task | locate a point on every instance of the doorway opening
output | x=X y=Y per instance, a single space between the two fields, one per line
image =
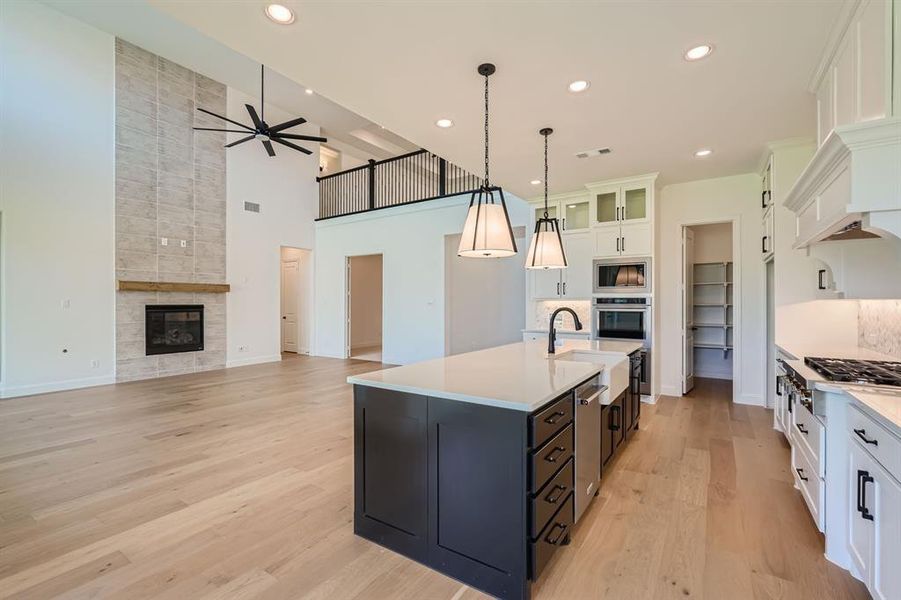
x=295 y=300
x=364 y=307
x=708 y=303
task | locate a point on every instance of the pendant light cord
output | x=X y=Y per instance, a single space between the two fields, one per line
x=487 y=184
x=545 y=176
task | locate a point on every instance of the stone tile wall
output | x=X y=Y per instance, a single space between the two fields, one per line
x=170 y=183
x=879 y=326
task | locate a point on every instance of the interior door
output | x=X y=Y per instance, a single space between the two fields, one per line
x=290 y=283
x=688 y=334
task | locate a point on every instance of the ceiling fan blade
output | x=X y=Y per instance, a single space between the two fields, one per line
x=269 y=148
x=203 y=110
x=254 y=117
x=290 y=145
x=287 y=124
x=294 y=136
x=241 y=141
x=225 y=130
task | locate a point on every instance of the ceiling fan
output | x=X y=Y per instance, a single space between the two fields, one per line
x=261 y=130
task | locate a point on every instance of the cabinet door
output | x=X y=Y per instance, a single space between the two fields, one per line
x=551 y=210
x=635 y=203
x=607 y=207
x=577 y=275
x=860 y=529
x=886 y=504
x=546 y=283
x=767 y=242
x=636 y=239
x=606 y=242
x=576 y=214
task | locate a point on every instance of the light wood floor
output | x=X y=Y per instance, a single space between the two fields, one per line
x=238 y=484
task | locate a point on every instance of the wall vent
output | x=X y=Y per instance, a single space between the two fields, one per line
x=587 y=153
x=253 y=207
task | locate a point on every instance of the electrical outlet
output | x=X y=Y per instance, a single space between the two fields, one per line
x=184 y=243
x=95 y=364
x=66 y=303
x=164 y=241
x=242 y=348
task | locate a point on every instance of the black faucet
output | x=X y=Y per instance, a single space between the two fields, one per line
x=552 y=333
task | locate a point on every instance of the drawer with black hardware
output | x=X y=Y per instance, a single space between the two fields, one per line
x=554 y=535
x=551 y=419
x=809 y=435
x=810 y=484
x=875 y=439
x=544 y=503
x=547 y=460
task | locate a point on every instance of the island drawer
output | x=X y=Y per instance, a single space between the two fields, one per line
x=548 y=459
x=876 y=440
x=549 y=420
x=554 y=535
x=545 y=503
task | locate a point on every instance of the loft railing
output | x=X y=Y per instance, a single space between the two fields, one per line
x=405 y=179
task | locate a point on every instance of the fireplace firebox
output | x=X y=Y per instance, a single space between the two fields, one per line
x=171 y=328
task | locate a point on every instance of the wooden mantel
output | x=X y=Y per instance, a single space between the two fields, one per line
x=172 y=286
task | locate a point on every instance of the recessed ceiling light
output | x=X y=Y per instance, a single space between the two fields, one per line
x=535 y=182
x=698 y=52
x=309 y=92
x=579 y=86
x=280 y=13
x=703 y=152
x=444 y=123
x=571 y=206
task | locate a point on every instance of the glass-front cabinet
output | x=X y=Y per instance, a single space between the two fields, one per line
x=621 y=204
x=573 y=210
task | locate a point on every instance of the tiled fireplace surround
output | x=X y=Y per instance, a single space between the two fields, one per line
x=170 y=183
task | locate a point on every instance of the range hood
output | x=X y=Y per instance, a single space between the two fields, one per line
x=852 y=187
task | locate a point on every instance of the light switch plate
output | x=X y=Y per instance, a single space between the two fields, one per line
x=164 y=241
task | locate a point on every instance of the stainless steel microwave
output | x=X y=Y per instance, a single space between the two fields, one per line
x=632 y=275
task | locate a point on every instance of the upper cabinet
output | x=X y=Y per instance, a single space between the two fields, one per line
x=854 y=81
x=573 y=210
x=620 y=203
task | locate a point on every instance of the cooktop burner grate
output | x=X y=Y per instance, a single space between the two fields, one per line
x=873 y=372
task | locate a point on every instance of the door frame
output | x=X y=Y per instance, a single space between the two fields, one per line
x=305 y=279
x=347 y=298
x=687 y=292
x=735 y=220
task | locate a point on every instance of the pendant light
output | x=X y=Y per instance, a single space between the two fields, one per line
x=487 y=232
x=546 y=247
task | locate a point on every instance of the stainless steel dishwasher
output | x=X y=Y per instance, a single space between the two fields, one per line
x=588 y=442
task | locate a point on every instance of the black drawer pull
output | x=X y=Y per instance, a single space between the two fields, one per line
x=560 y=535
x=863 y=478
x=800 y=474
x=801 y=428
x=615 y=409
x=549 y=499
x=550 y=456
x=862 y=434
x=554 y=417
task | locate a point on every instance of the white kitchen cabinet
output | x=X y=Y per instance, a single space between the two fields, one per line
x=572 y=210
x=768 y=242
x=636 y=239
x=573 y=282
x=622 y=203
x=606 y=241
x=874 y=505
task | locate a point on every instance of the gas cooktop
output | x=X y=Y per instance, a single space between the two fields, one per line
x=871 y=372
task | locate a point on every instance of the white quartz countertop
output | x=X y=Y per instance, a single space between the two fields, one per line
x=559 y=330
x=885 y=403
x=799 y=350
x=519 y=376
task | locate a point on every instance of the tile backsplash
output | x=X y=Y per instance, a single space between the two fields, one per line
x=879 y=326
x=541 y=313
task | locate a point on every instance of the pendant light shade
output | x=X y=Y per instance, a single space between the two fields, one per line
x=546 y=247
x=487 y=232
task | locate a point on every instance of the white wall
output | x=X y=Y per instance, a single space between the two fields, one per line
x=285 y=188
x=477 y=295
x=713 y=243
x=711 y=200
x=57 y=198
x=365 y=300
x=411 y=241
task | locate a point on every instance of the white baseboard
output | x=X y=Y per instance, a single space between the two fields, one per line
x=55 y=386
x=714 y=374
x=750 y=399
x=253 y=360
x=670 y=390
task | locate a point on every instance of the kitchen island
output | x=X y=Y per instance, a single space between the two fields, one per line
x=466 y=463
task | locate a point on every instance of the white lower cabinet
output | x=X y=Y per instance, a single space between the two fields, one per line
x=874 y=523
